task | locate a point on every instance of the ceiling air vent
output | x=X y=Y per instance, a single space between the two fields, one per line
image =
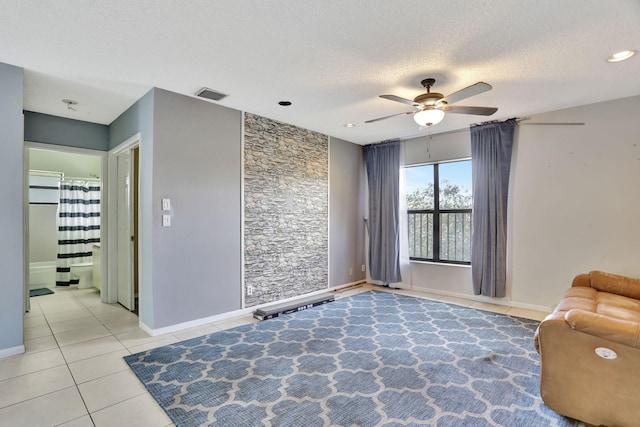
x=210 y=94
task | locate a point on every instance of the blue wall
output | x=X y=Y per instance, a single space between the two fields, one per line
x=137 y=118
x=48 y=129
x=11 y=220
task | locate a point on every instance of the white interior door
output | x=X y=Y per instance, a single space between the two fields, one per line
x=125 y=230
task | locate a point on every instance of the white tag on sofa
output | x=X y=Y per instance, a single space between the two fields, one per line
x=606 y=353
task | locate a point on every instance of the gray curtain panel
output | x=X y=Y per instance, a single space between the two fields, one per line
x=491 y=146
x=383 y=176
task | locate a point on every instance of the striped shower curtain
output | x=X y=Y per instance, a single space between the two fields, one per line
x=78 y=226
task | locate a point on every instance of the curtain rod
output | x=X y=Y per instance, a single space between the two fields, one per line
x=75 y=178
x=518 y=120
x=45 y=173
x=61 y=175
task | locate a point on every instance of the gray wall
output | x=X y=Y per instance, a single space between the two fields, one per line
x=11 y=220
x=191 y=152
x=139 y=119
x=48 y=129
x=196 y=164
x=346 y=212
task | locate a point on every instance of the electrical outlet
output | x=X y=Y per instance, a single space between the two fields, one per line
x=250 y=290
x=351 y=272
x=363 y=267
x=166 y=220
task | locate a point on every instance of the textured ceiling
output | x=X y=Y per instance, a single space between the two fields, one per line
x=330 y=58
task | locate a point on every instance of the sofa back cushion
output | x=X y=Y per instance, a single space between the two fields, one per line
x=615 y=284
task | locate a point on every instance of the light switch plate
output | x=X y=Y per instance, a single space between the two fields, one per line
x=166 y=204
x=166 y=220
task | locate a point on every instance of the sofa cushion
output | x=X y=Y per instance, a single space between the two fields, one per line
x=618 y=307
x=605 y=303
x=579 y=297
x=611 y=329
x=615 y=284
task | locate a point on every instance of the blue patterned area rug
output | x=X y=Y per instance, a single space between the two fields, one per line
x=374 y=359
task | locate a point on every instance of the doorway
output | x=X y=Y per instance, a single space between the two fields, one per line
x=48 y=168
x=124 y=164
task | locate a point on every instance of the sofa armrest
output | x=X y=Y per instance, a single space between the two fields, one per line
x=615 y=330
x=615 y=284
x=555 y=317
x=581 y=280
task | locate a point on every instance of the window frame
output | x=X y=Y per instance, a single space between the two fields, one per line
x=436 y=212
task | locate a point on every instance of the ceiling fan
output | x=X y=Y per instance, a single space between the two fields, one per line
x=431 y=106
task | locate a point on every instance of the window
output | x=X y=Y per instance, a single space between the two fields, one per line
x=439 y=203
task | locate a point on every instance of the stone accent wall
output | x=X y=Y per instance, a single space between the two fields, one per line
x=286 y=210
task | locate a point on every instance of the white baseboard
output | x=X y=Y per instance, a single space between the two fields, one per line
x=340 y=287
x=481 y=298
x=11 y=351
x=247 y=310
x=241 y=312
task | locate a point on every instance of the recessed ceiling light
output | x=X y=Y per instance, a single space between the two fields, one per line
x=621 y=56
x=284 y=103
x=349 y=125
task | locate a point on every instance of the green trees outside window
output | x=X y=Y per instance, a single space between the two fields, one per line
x=439 y=203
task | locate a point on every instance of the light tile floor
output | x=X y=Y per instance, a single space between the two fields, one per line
x=73 y=374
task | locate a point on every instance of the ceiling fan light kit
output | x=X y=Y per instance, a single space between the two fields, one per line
x=431 y=106
x=621 y=56
x=428 y=117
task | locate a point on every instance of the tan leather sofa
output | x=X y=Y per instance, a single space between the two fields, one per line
x=599 y=311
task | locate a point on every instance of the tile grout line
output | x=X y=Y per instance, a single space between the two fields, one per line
x=39 y=396
x=77 y=385
x=84 y=403
x=65 y=361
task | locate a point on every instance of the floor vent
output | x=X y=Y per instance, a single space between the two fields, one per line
x=291 y=307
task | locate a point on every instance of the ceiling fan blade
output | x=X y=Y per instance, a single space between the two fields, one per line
x=388 y=117
x=467 y=92
x=459 y=109
x=399 y=99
